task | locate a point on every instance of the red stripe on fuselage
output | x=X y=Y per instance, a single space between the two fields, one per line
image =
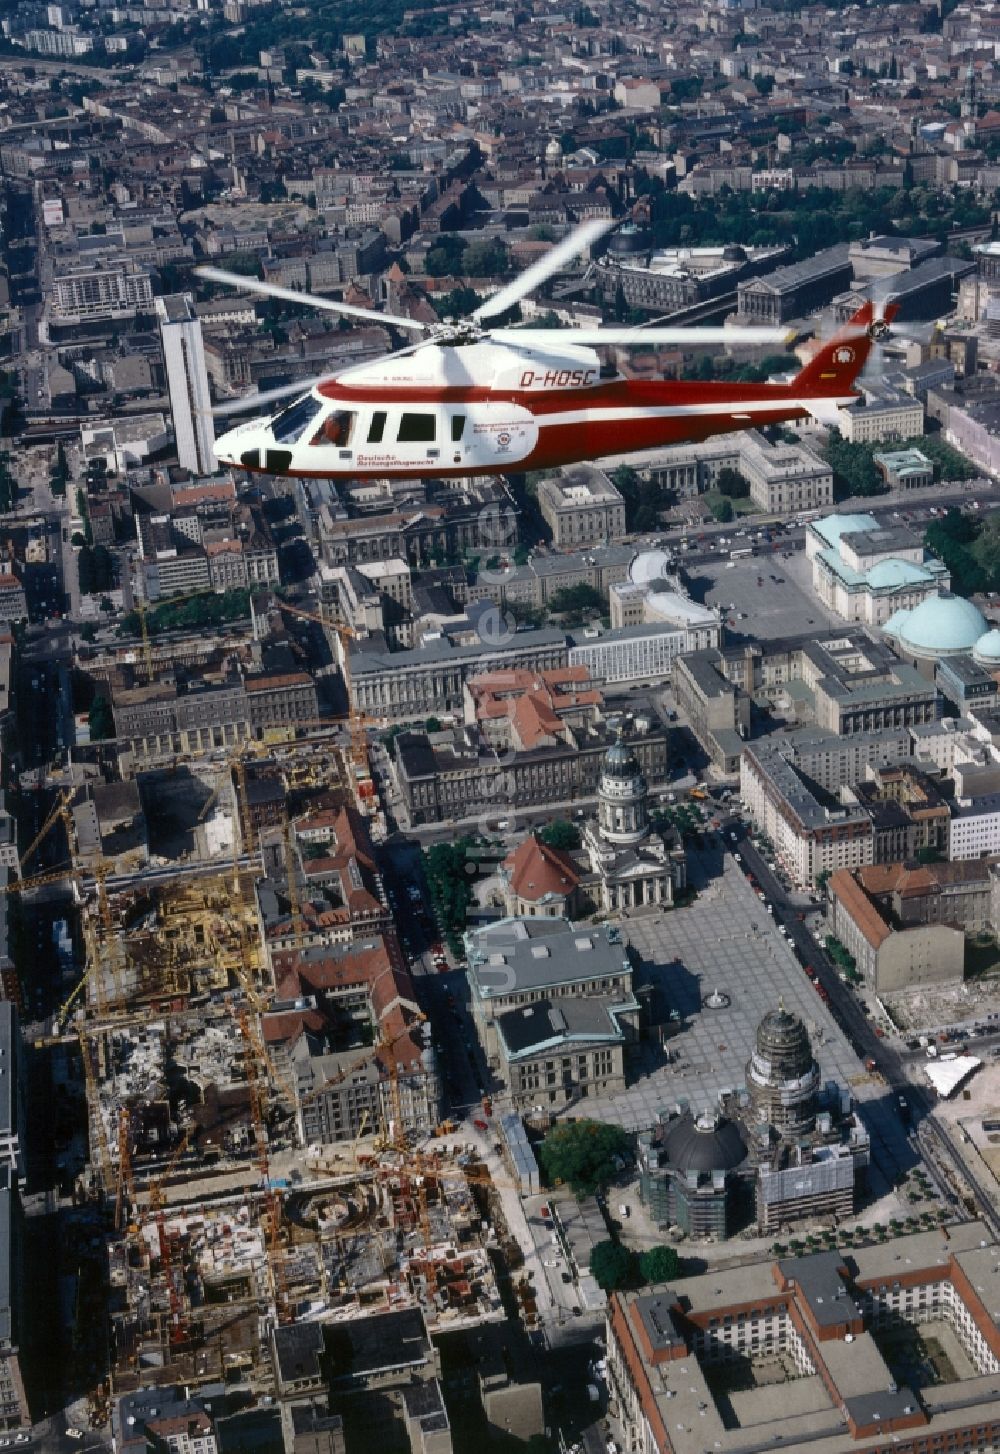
x=624 y=394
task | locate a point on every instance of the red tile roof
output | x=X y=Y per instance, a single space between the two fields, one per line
x=537 y=871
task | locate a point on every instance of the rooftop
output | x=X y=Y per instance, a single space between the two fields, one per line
x=517 y=954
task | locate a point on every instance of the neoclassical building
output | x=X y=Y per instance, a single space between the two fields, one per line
x=632 y=863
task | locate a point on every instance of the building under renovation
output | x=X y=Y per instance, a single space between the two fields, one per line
x=779 y=1150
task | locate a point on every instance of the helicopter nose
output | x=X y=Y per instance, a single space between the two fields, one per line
x=242 y=447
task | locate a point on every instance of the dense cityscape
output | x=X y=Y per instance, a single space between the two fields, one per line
x=500 y=727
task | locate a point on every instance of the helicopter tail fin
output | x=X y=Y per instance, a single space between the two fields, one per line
x=833 y=372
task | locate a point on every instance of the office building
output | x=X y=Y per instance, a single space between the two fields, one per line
x=717 y=709
x=14 y=1413
x=83 y=293
x=893 y=416
x=409 y=686
x=581 y=507
x=187 y=383
x=12 y=1092
x=452 y=774
x=793 y=291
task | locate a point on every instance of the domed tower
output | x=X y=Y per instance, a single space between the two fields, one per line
x=622 y=813
x=782 y=1075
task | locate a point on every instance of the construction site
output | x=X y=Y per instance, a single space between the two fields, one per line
x=197 y=1286
x=258 y=1077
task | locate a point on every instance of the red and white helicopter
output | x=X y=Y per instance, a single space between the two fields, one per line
x=469 y=399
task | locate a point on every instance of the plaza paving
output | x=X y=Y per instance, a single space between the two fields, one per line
x=724 y=941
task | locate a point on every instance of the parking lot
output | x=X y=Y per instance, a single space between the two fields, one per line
x=764 y=597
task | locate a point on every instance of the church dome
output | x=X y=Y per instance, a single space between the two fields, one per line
x=782 y=1075
x=705 y=1143
x=620 y=761
x=783 y=1045
x=987 y=649
x=940 y=626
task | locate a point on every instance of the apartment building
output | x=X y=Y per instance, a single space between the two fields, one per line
x=890 y=958
x=810 y=837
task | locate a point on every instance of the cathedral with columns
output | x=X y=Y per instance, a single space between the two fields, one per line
x=632 y=863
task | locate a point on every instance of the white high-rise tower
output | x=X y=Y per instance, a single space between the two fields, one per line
x=187 y=383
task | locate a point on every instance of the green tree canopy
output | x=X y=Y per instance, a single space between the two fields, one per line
x=723 y=510
x=730 y=482
x=102 y=722
x=447 y=870
x=561 y=834
x=659 y=1264
x=611 y=1265
x=583 y=1154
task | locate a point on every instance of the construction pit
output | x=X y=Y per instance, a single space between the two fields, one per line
x=196 y=1287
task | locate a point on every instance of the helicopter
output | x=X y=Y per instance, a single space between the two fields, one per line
x=470 y=399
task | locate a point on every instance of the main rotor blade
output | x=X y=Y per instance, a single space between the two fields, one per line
x=255 y=401
x=308 y=300
x=641 y=337
x=571 y=246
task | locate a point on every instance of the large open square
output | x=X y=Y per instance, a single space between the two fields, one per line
x=726 y=942
x=774 y=595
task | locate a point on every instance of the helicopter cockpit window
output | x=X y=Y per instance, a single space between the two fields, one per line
x=290 y=425
x=457 y=427
x=336 y=429
x=417 y=429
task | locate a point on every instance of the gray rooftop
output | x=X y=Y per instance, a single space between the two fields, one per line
x=364 y=663
x=514 y=955
x=530 y=1029
x=787 y=279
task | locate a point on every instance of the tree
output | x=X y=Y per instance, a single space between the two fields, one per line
x=730 y=482
x=929 y=854
x=580 y=600
x=723 y=510
x=610 y=1265
x=659 y=1264
x=102 y=722
x=447 y=870
x=88 y=631
x=585 y=1154
x=459 y=303
x=433 y=724
x=561 y=834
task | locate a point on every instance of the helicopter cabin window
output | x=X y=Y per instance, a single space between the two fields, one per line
x=336 y=429
x=376 y=428
x=417 y=429
x=289 y=426
x=457 y=427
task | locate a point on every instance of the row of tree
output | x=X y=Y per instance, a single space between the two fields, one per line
x=449 y=869
x=210 y=608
